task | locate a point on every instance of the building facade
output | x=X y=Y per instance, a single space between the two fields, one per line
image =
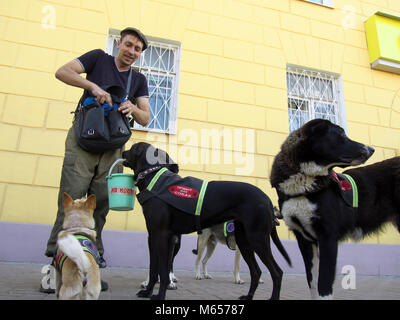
x=228 y=80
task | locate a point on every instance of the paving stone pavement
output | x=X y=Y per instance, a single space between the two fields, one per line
x=21 y=281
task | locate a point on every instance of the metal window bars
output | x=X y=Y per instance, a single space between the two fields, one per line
x=160 y=64
x=311 y=94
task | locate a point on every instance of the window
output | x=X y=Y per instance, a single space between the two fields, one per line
x=327 y=3
x=160 y=64
x=314 y=94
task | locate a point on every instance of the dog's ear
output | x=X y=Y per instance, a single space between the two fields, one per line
x=173 y=168
x=171 y=165
x=155 y=156
x=90 y=202
x=318 y=126
x=67 y=200
x=164 y=158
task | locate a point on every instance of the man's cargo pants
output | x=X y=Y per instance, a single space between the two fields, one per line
x=84 y=173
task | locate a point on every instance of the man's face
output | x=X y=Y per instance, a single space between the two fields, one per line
x=130 y=49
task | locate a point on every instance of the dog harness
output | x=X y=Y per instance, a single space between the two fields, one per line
x=229 y=233
x=185 y=194
x=347 y=187
x=344 y=183
x=87 y=245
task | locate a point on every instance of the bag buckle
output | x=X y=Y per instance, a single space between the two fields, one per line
x=90 y=132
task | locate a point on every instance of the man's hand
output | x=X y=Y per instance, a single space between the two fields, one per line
x=140 y=111
x=101 y=95
x=127 y=107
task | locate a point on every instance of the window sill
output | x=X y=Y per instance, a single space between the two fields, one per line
x=330 y=6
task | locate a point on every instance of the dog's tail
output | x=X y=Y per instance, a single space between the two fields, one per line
x=278 y=244
x=196 y=251
x=73 y=249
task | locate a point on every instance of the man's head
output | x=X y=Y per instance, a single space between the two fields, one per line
x=130 y=46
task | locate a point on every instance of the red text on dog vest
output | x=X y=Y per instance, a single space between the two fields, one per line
x=183 y=192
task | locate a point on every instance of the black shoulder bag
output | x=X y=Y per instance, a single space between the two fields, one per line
x=97 y=132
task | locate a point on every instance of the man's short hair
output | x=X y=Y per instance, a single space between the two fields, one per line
x=137 y=33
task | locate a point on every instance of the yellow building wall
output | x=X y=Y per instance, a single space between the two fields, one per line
x=232 y=79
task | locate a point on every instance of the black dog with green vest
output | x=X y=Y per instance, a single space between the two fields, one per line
x=174 y=206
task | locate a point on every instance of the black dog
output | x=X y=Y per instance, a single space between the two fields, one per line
x=224 y=200
x=176 y=243
x=312 y=202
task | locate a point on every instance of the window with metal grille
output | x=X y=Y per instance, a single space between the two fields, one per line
x=327 y=3
x=160 y=64
x=314 y=94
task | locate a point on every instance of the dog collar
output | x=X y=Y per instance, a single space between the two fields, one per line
x=144 y=173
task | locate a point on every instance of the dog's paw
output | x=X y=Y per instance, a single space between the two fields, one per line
x=246 y=297
x=199 y=277
x=239 y=281
x=144 y=294
x=172 y=286
x=207 y=276
x=173 y=278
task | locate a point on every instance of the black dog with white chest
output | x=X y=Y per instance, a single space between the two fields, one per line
x=219 y=201
x=312 y=196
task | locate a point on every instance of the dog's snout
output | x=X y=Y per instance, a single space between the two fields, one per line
x=368 y=151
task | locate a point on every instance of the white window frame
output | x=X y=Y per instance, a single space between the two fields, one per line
x=326 y=3
x=156 y=72
x=309 y=99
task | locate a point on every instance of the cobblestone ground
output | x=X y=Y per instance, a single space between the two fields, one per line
x=21 y=281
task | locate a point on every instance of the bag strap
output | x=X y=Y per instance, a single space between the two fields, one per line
x=128 y=86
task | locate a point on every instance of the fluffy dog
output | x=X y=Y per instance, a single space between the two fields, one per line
x=77 y=271
x=312 y=200
x=220 y=201
x=209 y=239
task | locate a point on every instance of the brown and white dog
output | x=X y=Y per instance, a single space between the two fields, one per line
x=209 y=239
x=77 y=271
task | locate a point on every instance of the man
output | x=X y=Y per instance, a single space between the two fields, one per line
x=84 y=173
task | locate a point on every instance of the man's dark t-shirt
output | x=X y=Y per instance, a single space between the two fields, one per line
x=101 y=69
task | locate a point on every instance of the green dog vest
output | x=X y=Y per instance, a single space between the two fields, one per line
x=347 y=188
x=86 y=244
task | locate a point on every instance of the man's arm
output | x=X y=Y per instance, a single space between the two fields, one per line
x=140 y=111
x=70 y=74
